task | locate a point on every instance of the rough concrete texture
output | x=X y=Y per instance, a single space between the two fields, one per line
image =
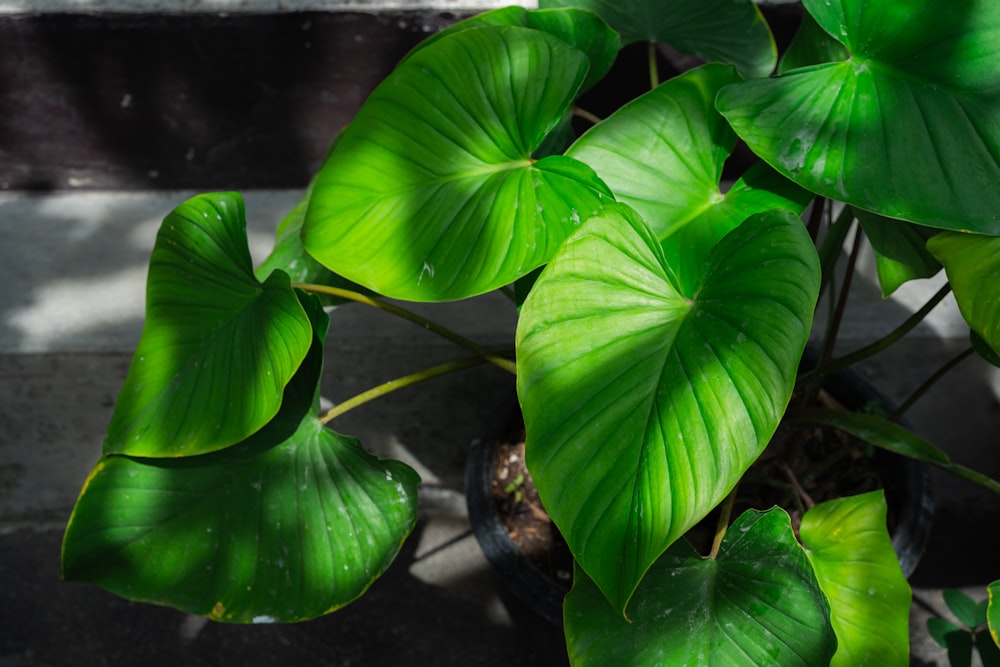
x=70 y=313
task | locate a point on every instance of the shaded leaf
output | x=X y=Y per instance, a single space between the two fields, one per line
x=970 y=613
x=811 y=45
x=848 y=543
x=940 y=628
x=874 y=429
x=643 y=404
x=292 y=523
x=217 y=347
x=900 y=249
x=914 y=109
x=757 y=603
x=714 y=30
x=291 y=257
x=983 y=350
x=432 y=192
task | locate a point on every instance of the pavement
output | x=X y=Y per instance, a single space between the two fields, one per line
x=71 y=309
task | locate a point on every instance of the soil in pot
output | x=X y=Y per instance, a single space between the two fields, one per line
x=802 y=466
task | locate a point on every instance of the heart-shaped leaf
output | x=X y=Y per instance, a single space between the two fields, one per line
x=582 y=29
x=218 y=346
x=292 y=523
x=432 y=192
x=972 y=263
x=913 y=110
x=756 y=603
x=900 y=249
x=848 y=543
x=643 y=404
x=663 y=153
x=714 y=30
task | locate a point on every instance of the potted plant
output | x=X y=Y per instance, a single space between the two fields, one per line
x=656 y=351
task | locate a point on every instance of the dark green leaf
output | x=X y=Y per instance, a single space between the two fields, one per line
x=959 y=645
x=940 y=628
x=875 y=429
x=906 y=127
x=289 y=256
x=900 y=249
x=217 y=348
x=982 y=349
x=968 y=612
x=811 y=45
x=724 y=31
x=292 y=523
x=757 y=603
x=989 y=652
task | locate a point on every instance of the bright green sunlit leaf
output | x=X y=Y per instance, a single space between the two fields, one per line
x=432 y=192
x=644 y=404
x=848 y=543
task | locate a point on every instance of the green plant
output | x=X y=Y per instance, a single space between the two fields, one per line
x=974 y=631
x=656 y=353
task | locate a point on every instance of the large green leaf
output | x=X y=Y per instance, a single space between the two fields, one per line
x=847 y=541
x=908 y=127
x=289 y=256
x=756 y=603
x=583 y=29
x=972 y=263
x=663 y=154
x=292 y=523
x=218 y=346
x=725 y=31
x=644 y=404
x=432 y=192
x=900 y=249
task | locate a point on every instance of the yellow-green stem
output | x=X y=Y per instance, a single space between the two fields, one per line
x=398 y=383
x=422 y=322
x=725 y=512
x=654 y=68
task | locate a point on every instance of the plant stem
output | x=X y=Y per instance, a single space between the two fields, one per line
x=398 y=383
x=929 y=382
x=725 y=512
x=654 y=68
x=495 y=359
x=816 y=217
x=586 y=115
x=882 y=343
x=833 y=327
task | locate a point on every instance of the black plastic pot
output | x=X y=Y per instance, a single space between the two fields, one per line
x=907 y=486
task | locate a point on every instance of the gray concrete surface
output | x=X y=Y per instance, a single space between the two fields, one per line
x=71 y=308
